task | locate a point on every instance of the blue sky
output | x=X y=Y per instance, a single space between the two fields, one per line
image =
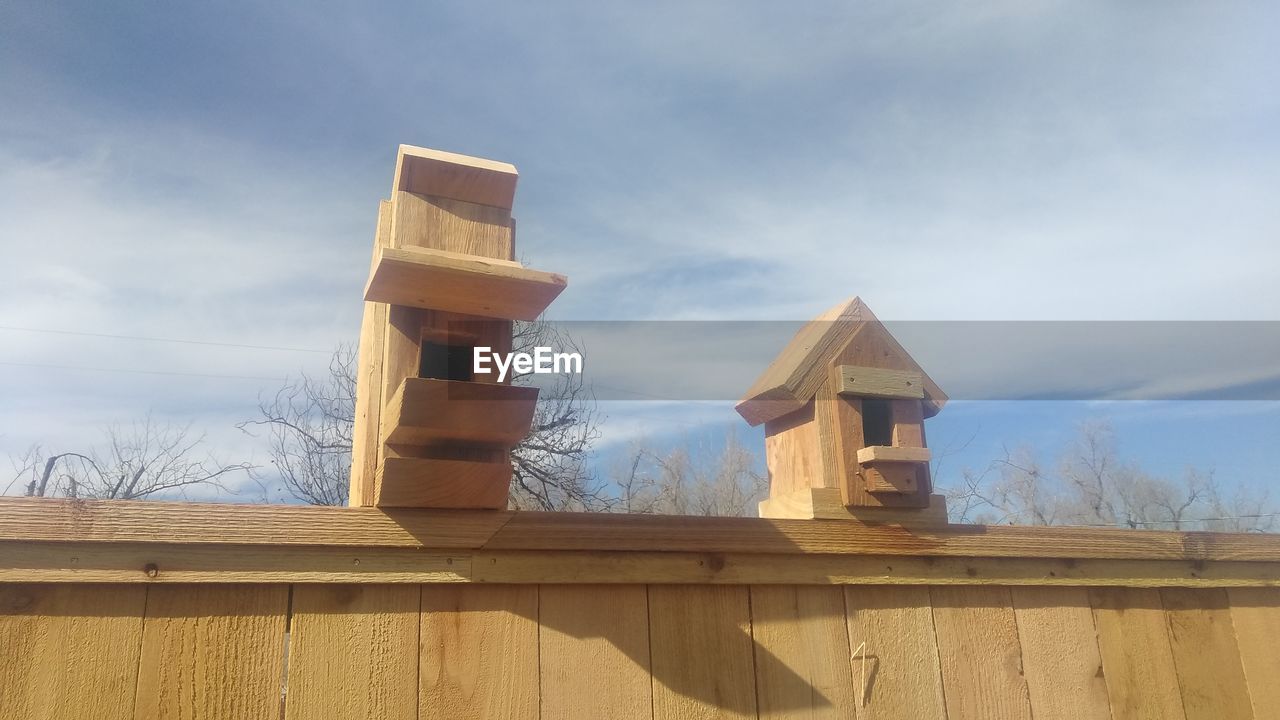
x=211 y=172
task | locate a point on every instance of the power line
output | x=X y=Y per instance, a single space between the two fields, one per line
x=163 y=340
x=139 y=372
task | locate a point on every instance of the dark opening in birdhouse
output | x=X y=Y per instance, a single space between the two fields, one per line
x=877 y=422
x=446 y=362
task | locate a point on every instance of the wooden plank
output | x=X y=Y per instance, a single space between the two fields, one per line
x=1137 y=661
x=365 y=434
x=701 y=647
x=169 y=563
x=882 y=453
x=164 y=563
x=353 y=652
x=1205 y=654
x=33 y=519
x=466 y=230
x=826 y=504
x=212 y=651
x=908 y=423
x=879 y=382
x=979 y=652
x=1255 y=615
x=70 y=651
x=801 y=652
x=1060 y=653
x=426 y=410
x=594 y=651
x=894 y=653
x=451 y=175
x=479 y=652
x=793 y=453
x=42 y=519
x=422 y=278
x=443 y=483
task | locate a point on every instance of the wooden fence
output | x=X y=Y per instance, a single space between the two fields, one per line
x=154 y=610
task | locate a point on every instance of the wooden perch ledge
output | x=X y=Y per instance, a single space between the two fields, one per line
x=100 y=541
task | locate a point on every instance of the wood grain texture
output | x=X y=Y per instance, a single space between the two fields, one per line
x=793 y=453
x=594 y=651
x=444 y=483
x=703 y=664
x=1205 y=653
x=69 y=651
x=1060 y=654
x=353 y=652
x=212 y=651
x=479 y=653
x=878 y=382
x=1255 y=615
x=427 y=410
x=1133 y=639
x=801 y=653
x=421 y=278
x=437 y=223
x=451 y=175
x=368 y=406
x=40 y=519
x=900 y=656
x=826 y=504
x=980 y=654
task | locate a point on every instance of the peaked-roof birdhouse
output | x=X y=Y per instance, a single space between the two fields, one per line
x=843 y=407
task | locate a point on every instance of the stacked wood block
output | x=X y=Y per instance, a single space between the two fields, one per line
x=444 y=281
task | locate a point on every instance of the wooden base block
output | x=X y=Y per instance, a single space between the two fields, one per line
x=426 y=410
x=439 y=280
x=890 y=477
x=428 y=482
x=824 y=504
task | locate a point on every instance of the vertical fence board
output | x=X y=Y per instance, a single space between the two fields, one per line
x=212 y=651
x=70 y=651
x=980 y=654
x=1205 y=654
x=802 y=652
x=703 y=665
x=1060 y=653
x=595 y=652
x=1255 y=614
x=479 y=652
x=900 y=655
x=353 y=653
x=1137 y=660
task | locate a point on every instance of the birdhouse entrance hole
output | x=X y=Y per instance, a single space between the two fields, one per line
x=877 y=422
x=446 y=362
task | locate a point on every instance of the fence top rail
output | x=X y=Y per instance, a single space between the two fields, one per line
x=182 y=523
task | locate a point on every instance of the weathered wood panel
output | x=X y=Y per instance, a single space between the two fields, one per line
x=353 y=653
x=802 y=652
x=595 y=652
x=69 y=651
x=212 y=651
x=896 y=673
x=703 y=666
x=980 y=654
x=1255 y=615
x=1205 y=653
x=479 y=652
x=1060 y=657
x=1133 y=638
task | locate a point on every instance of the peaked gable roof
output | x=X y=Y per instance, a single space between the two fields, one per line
x=794 y=377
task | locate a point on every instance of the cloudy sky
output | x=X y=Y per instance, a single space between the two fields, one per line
x=211 y=173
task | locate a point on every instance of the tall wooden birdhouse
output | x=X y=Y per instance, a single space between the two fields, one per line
x=429 y=432
x=843 y=408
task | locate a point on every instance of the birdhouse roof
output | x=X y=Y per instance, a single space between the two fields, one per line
x=794 y=377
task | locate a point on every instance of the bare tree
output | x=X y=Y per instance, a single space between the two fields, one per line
x=1093 y=486
x=690 y=481
x=137 y=461
x=310 y=422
